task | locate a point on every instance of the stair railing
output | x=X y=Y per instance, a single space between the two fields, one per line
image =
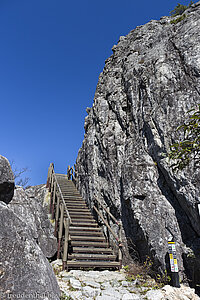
x=117 y=238
x=57 y=209
x=72 y=175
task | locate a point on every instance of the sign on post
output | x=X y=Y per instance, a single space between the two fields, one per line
x=173 y=264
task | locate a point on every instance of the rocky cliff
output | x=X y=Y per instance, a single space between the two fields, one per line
x=144 y=92
x=26 y=240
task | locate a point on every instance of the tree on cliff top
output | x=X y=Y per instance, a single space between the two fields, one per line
x=19 y=177
x=187 y=148
x=179 y=9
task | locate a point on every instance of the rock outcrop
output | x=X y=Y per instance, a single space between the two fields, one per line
x=26 y=240
x=6 y=180
x=144 y=92
x=27 y=205
x=25 y=272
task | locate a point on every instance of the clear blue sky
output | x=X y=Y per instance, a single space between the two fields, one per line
x=51 y=54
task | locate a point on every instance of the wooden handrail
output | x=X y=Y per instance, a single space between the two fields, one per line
x=105 y=208
x=108 y=226
x=61 y=222
x=52 y=177
x=64 y=223
x=61 y=195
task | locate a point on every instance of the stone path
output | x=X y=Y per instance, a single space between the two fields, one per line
x=112 y=285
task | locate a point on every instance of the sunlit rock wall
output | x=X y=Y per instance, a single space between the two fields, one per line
x=144 y=92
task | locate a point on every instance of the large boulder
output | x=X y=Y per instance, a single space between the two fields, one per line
x=144 y=92
x=28 y=206
x=24 y=270
x=6 y=180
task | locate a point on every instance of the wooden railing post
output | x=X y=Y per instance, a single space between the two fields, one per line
x=54 y=199
x=68 y=173
x=51 y=192
x=57 y=214
x=76 y=178
x=65 y=251
x=108 y=220
x=60 y=230
x=48 y=177
x=117 y=239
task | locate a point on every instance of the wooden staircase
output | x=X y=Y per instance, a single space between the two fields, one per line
x=86 y=244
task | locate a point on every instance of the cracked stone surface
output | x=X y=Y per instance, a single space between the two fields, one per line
x=28 y=206
x=113 y=285
x=26 y=239
x=24 y=270
x=144 y=92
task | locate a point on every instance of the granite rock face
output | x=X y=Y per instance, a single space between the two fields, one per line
x=27 y=205
x=26 y=239
x=144 y=92
x=25 y=272
x=6 y=180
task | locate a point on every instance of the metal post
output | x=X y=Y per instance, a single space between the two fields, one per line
x=173 y=264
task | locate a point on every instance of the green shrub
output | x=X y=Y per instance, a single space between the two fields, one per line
x=178 y=10
x=179 y=19
x=187 y=148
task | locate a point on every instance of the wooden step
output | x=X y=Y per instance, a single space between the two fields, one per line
x=81 y=216
x=70 y=192
x=84 y=224
x=80 y=219
x=70 y=197
x=79 y=210
x=92 y=250
x=69 y=185
x=83 y=220
x=79 y=256
x=92 y=264
x=88 y=244
x=86 y=233
x=75 y=203
x=79 y=206
x=88 y=238
x=87 y=229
